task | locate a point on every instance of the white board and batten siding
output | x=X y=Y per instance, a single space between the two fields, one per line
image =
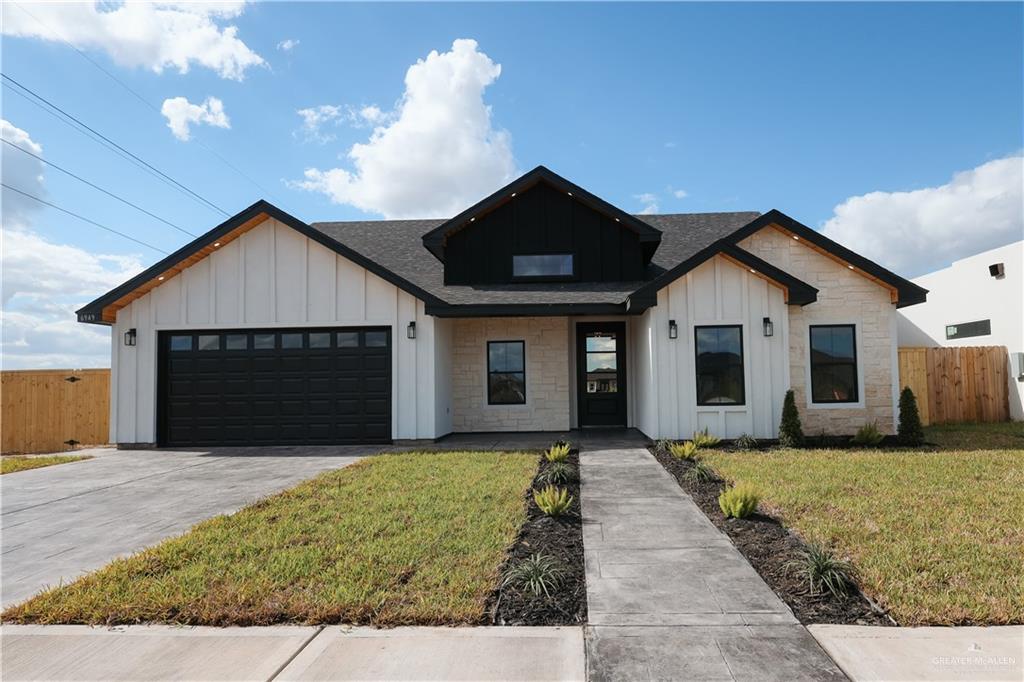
x=273 y=276
x=716 y=293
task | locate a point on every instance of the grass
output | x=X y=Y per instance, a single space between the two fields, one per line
x=936 y=537
x=1001 y=436
x=9 y=464
x=411 y=538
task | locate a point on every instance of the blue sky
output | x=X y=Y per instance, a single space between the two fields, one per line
x=686 y=107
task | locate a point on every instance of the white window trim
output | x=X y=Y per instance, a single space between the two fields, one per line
x=860 y=366
x=528 y=405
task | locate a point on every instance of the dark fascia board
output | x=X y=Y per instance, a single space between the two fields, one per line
x=525 y=309
x=92 y=312
x=800 y=293
x=434 y=240
x=907 y=292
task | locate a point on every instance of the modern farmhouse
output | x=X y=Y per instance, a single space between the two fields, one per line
x=541 y=308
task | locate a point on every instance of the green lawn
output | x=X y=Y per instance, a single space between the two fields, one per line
x=938 y=537
x=412 y=538
x=12 y=463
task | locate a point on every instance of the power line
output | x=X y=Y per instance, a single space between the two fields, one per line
x=107 y=141
x=98 y=188
x=136 y=94
x=82 y=218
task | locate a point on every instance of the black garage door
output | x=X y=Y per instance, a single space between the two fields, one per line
x=275 y=386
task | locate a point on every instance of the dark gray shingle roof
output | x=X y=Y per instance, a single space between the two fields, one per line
x=397 y=246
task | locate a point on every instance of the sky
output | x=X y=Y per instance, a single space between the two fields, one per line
x=896 y=129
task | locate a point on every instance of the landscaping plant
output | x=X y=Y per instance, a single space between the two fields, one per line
x=823 y=571
x=868 y=435
x=699 y=472
x=791 y=434
x=559 y=452
x=703 y=439
x=558 y=473
x=538 y=573
x=909 y=431
x=552 y=500
x=740 y=501
x=687 y=450
x=746 y=442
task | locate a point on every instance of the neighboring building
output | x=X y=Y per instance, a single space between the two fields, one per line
x=976 y=301
x=541 y=308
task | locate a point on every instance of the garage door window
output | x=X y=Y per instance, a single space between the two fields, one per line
x=319 y=339
x=181 y=342
x=262 y=341
x=236 y=342
x=348 y=339
x=376 y=339
x=209 y=342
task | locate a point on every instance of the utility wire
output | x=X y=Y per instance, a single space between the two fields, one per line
x=136 y=94
x=98 y=188
x=106 y=140
x=80 y=217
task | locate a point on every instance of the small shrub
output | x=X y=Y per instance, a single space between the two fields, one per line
x=823 y=571
x=909 y=431
x=558 y=473
x=739 y=501
x=746 y=442
x=663 y=444
x=553 y=501
x=538 y=573
x=868 y=435
x=687 y=450
x=699 y=473
x=557 y=452
x=703 y=439
x=791 y=434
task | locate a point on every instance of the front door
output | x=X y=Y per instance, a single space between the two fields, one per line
x=601 y=373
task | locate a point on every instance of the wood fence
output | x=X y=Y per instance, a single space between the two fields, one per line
x=960 y=384
x=52 y=410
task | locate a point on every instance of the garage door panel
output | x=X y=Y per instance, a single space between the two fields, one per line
x=292 y=386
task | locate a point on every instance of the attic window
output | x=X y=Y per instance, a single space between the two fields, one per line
x=543 y=265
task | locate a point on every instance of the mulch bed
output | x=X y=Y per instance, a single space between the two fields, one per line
x=768 y=546
x=561 y=538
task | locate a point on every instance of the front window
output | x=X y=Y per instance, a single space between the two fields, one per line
x=719 y=365
x=544 y=265
x=506 y=372
x=833 y=364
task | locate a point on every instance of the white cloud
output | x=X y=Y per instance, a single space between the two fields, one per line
x=20 y=171
x=680 y=193
x=44 y=282
x=151 y=35
x=650 y=202
x=436 y=153
x=287 y=45
x=181 y=113
x=914 y=232
x=314 y=119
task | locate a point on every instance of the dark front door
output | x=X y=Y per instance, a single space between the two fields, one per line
x=601 y=373
x=275 y=387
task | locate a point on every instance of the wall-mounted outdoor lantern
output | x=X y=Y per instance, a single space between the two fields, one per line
x=410 y=331
x=769 y=328
x=673 y=330
x=129 y=337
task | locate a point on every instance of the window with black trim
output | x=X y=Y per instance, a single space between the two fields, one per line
x=506 y=372
x=543 y=265
x=834 y=363
x=719 y=365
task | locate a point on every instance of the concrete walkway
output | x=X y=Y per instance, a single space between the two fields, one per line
x=669 y=596
x=79 y=652
x=61 y=521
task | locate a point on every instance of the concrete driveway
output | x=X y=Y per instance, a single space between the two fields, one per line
x=61 y=521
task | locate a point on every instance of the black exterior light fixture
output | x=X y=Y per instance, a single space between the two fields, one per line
x=129 y=337
x=769 y=328
x=673 y=330
x=410 y=331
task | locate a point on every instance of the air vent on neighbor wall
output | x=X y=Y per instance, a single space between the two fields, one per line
x=997 y=270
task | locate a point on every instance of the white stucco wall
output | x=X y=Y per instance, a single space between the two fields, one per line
x=966 y=292
x=273 y=276
x=718 y=292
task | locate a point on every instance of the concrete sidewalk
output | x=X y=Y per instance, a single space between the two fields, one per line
x=140 y=652
x=668 y=595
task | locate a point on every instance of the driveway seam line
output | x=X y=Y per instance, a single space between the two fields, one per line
x=280 y=669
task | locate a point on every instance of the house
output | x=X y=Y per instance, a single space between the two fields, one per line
x=540 y=308
x=976 y=301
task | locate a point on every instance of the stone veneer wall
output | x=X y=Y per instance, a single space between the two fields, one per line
x=547 y=374
x=843 y=297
